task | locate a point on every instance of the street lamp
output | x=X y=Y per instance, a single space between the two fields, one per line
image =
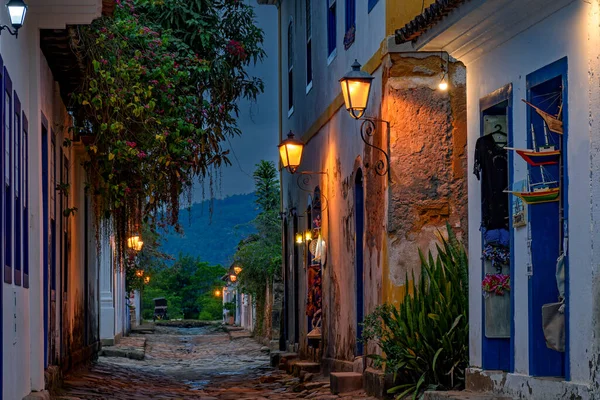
x=233 y=278
x=217 y=293
x=147 y=280
x=290 y=152
x=299 y=238
x=17 y=9
x=356 y=87
x=237 y=270
x=135 y=243
x=139 y=273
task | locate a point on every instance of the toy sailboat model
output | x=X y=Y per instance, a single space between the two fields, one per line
x=541 y=192
x=542 y=155
x=553 y=121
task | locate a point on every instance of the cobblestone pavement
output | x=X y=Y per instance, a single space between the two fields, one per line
x=197 y=363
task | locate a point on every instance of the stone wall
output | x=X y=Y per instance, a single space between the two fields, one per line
x=427 y=144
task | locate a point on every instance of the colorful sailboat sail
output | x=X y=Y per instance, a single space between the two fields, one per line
x=553 y=121
x=542 y=155
x=541 y=192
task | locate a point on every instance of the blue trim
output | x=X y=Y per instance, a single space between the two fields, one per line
x=331 y=28
x=1 y=229
x=372 y=4
x=359 y=226
x=498 y=354
x=45 y=233
x=8 y=217
x=17 y=216
x=546 y=234
x=25 y=195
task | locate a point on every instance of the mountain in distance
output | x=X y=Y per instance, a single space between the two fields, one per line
x=213 y=238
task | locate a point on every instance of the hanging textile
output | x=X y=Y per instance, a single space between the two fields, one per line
x=491 y=167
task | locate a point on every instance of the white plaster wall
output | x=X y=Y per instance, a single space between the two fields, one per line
x=23 y=351
x=335 y=150
x=370 y=32
x=564 y=33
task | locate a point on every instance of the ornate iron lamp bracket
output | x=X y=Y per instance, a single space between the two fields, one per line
x=368 y=128
x=304 y=183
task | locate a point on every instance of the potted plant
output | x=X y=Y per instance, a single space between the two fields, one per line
x=495 y=289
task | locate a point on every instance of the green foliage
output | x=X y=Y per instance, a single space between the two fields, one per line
x=188 y=286
x=425 y=339
x=230 y=307
x=259 y=254
x=159 y=97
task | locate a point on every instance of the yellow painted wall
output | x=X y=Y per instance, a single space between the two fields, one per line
x=400 y=12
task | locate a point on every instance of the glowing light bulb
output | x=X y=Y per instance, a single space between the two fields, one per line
x=443 y=85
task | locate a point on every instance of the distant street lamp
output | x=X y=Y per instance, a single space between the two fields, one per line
x=139 y=273
x=233 y=277
x=135 y=243
x=17 y=10
x=147 y=280
x=237 y=270
x=299 y=238
x=217 y=293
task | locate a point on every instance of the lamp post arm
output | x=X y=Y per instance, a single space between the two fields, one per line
x=15 y=33
x=368 y=129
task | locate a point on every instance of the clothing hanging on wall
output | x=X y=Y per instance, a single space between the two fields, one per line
x=491 y=167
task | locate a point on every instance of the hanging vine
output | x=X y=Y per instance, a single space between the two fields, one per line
x=162 y=79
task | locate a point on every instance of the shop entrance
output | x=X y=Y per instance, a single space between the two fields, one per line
x=491 y=167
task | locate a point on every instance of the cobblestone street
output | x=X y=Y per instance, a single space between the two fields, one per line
x=192 y=363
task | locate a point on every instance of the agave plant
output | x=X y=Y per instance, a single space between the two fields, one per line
x=425 y=339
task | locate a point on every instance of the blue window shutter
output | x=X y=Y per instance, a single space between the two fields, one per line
x=372 y=4
x=25 y=202
x=350 y=14
x=7 y=178
x=17 y=187
x=331 y=27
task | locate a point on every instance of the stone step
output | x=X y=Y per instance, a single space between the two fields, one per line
x=463 y=395
x=306 y=366
x=344 y=382
x=283 y=359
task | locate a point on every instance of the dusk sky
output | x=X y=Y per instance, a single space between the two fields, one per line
x=258 y=120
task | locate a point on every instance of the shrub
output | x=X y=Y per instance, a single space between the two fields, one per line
x=425 y=339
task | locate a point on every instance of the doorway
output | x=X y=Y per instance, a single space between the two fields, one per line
x=359 y=224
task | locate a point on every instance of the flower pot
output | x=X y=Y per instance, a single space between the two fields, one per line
x=497 y=316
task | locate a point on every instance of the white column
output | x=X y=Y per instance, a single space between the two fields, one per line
x=107 y=303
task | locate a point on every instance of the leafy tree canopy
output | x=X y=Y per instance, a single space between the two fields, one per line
x=159 y=97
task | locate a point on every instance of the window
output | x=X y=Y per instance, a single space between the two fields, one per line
x=25 y=196
x=308 y=45
x=17 y=158
x=290 y=68
x=331 y=28
x=350 y=23
x=372 y=4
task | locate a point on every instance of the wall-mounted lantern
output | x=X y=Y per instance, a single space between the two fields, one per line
x=308 y=236
x=217 y=293
x=356 y=87
x=290 y=152
x=147 y=280
x=135 y=243
x=299 y=238
x=139 y=273
x=237 y=269
x=17 y=10
x=233 y=278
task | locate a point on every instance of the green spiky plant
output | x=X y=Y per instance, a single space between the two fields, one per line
x=424 y=340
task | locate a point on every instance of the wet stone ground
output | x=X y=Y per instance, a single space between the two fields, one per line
x=192 y=363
